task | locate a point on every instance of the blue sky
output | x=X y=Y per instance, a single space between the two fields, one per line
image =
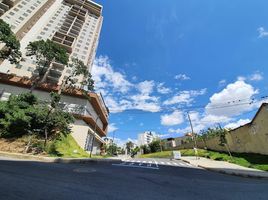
x=158 y=59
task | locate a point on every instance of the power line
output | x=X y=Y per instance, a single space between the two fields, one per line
x=166 y=110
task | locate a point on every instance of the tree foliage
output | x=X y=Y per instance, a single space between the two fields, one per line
x=46 y=52
x=24 y=114
x=11 y=50
x=134 y=151
x=111 y=149
x=78 y=68
x=145 y=149
x=155 y=146
x=129 y=146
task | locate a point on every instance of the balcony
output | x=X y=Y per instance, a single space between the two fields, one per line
x=66 y=41
x=87 y=5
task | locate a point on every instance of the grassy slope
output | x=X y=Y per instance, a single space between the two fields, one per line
x=65 y=147
x=247 y=160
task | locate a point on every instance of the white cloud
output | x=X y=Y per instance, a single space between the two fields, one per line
x=146 y=87
x=185 y=97
x=257 y=76
x=162 y=89
x=241 y=78
x=262 y=32
x=209 y=119
x=112 y=127
x=181 y=131
x=175 y=118
x=121 y=142
x=220 y=103
x=182 y=77
x=105 y=77
x=234 y=125
x=119 y=93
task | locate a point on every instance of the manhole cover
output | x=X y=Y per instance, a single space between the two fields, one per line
x=84 y=170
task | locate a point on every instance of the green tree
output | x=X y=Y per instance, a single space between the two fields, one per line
x=24 y=114
x=222 y=139
x=129 y=146
x=11 y=49
x=78 y=68
x=45 y=53
x=155 y=146
x=145 y=148
x=134 y=151
x=112 y=149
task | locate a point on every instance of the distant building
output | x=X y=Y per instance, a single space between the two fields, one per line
x=171 y=143
x=146 y=138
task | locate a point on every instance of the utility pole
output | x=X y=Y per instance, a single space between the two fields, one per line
x=193 y=135
x=93 y=139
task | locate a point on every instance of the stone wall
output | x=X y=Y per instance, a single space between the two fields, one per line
x=250 y=138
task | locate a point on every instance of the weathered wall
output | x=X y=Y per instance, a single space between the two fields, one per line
x=251 y=138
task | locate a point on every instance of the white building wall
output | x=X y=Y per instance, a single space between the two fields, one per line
x=84 y=47
x=146 y=138
x=73 y=104
x=84 y=135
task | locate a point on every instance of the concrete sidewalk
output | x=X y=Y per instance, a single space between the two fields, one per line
x=28 y=157
x=225 y=167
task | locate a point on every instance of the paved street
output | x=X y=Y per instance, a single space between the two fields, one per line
x=157 y=179
x=151 y=163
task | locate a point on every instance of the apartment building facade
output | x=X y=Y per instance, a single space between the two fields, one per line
x=146 y=138
x=76 y=26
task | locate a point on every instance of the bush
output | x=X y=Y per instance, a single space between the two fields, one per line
x=146 y=149
x=155 y=146
x=24 y=114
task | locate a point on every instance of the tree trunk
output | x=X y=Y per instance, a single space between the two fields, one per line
x=228 y=149
x=46 y=74
x=45 y=137
x=45 y=127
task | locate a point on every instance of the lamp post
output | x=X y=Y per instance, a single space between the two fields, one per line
x=93 y=139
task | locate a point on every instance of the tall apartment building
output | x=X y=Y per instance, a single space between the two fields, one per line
x=146 y=138
x=76 y=26
x=5 y=5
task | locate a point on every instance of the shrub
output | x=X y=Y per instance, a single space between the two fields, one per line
x=155 y=146
x=24 y=114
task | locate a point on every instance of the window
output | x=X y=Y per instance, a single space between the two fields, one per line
x=18 y=66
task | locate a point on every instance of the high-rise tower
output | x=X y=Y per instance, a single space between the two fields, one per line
x=76 y=26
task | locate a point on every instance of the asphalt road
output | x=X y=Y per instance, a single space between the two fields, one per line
x=147 y=179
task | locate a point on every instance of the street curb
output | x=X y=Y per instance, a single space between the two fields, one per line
x=233 y=173
x=56 y=160
x=226 y=172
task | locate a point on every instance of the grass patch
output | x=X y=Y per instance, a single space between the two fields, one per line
x=65 y=146
x=250 y=160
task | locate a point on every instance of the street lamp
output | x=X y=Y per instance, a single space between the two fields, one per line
x=93 y=139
